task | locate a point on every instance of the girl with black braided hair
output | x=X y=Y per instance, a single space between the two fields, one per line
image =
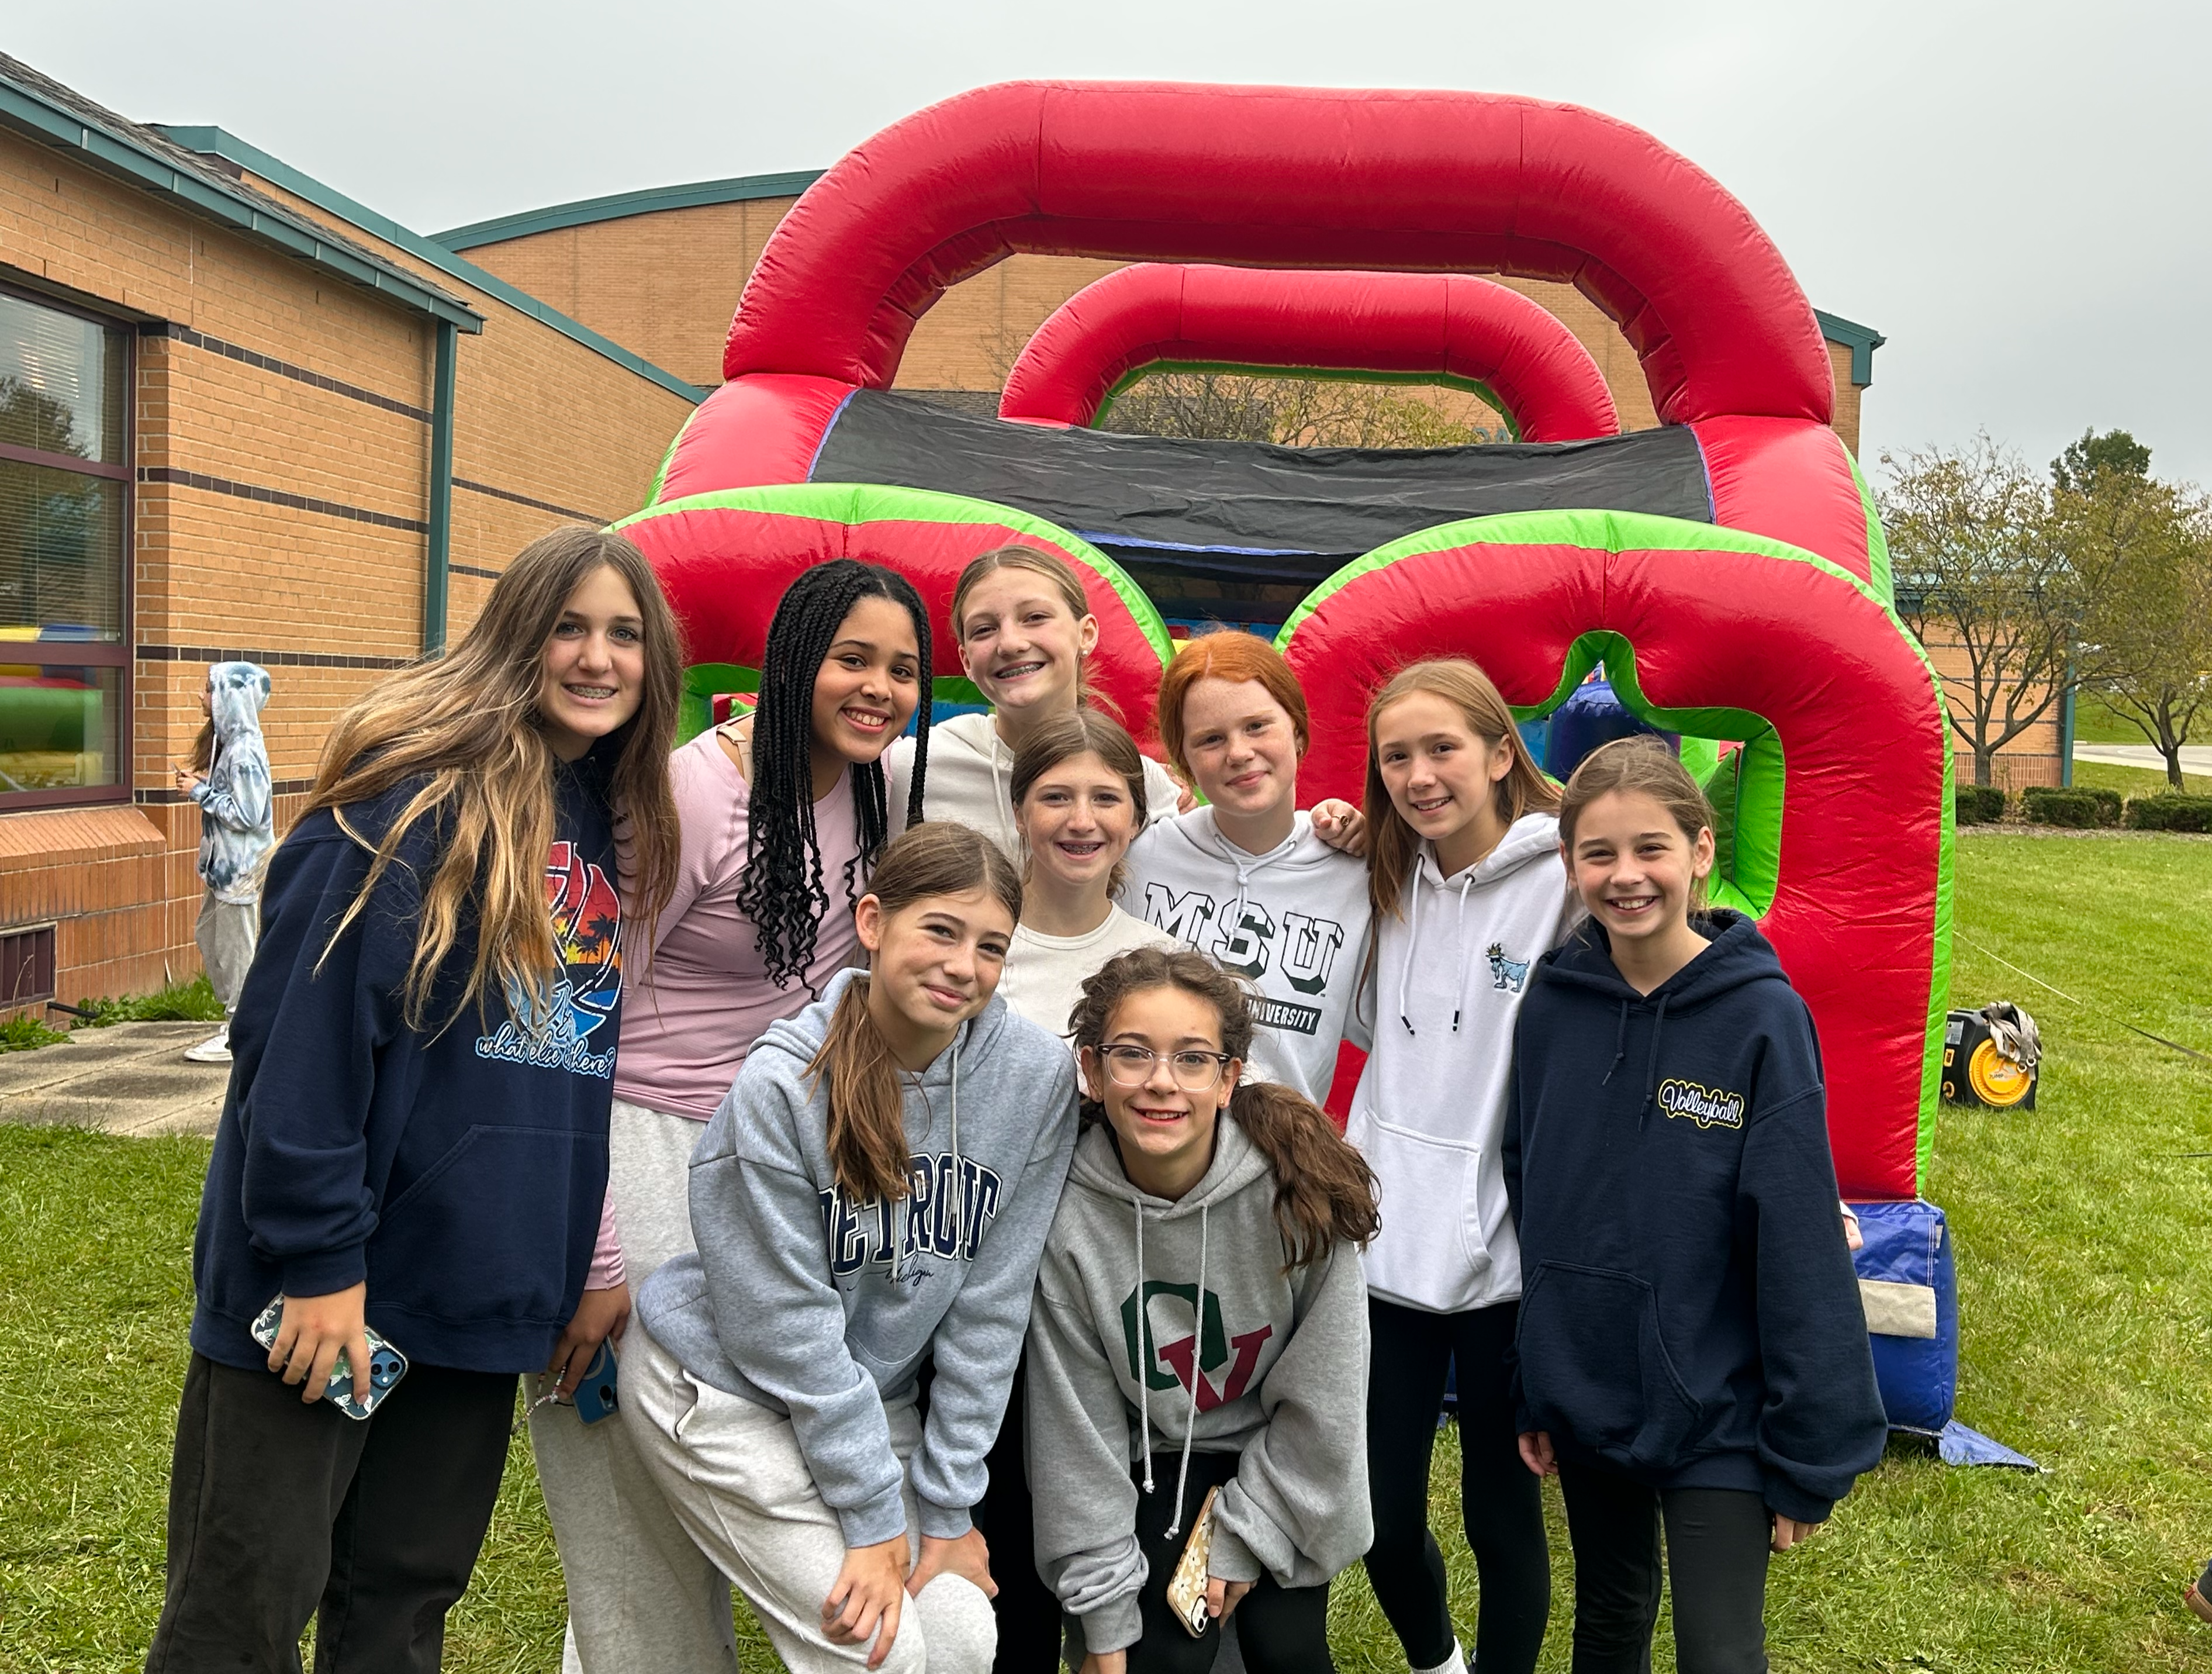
x=782 y=815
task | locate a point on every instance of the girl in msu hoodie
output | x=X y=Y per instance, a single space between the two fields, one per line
x=1691 y=1347
x=1468 y=895
x=873 y=1194
x=1251 y=878
x=415 y=1139
x=1201 y=1325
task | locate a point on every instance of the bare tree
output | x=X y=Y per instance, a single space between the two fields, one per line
x=1977 y=571
x=1297 y=411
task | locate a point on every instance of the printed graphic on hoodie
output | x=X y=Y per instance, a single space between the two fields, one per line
x=586 y=910
x=932 y=1218
x=1509 y=975
x=1224 y=1363
x=1709 y=1107
x=1302 y=949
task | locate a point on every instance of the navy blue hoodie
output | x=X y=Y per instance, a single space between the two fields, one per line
x=1690 y=1315
x=458 y=1169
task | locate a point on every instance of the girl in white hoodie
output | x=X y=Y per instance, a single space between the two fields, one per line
x=1468 y=892
x=1024 y=629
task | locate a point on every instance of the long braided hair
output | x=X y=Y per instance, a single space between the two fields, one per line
x=783 y=892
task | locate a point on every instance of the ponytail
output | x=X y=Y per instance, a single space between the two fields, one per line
x=1324 y=1190
x=867 y=1110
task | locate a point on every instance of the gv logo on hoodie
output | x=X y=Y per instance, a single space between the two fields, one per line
x=1709 y=1107
x=940 y=1218
x=1249 y=943
x=1170 y=1364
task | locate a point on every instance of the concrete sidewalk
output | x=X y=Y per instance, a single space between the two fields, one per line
x=128 y=1078
x=2195 y=757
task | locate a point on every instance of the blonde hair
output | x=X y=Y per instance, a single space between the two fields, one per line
x=1066 y=584
x=465 y=727
x=1524 y=790
x=867 y=1139
x=1644 y=766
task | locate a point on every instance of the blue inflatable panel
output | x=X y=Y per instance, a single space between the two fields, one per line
x=1592 y=714
x=1908 y=1246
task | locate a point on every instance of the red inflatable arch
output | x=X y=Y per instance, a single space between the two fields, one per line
x=1445 y=327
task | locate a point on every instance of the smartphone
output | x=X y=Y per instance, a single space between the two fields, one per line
x=595 y=1390
x=386 y=1366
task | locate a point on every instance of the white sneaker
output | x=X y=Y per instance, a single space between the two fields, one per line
x=1455 y=1663
x=214 y=1050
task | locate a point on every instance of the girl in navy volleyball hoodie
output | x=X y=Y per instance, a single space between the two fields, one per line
x=1692 y=1348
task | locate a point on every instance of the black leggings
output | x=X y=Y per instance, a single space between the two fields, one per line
x=1028 y=1614
x=1282 y=1630
x=1717 y=1549
x=1501 y=1502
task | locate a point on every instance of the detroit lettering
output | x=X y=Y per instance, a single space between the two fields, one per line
x=1299 y=951
x=859 y=1234
x=1709 y=1107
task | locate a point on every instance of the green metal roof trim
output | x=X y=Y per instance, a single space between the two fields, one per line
x=217 y=142
x=1861 y=340
x=618 y=206
x=44 y=111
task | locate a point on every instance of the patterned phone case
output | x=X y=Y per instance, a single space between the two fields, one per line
x=387 y=1366
x=1187 y=1586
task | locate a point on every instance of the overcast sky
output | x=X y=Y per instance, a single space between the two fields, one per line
x=2015 y=193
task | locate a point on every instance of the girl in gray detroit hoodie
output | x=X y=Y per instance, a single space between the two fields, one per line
x=1201 y=1299
x=854 y=1215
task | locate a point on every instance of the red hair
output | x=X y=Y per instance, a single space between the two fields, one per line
x=1231 y=654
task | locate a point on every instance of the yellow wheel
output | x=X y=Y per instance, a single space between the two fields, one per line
x=1996 y=1079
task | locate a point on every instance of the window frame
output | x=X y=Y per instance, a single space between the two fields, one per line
x=88 y=653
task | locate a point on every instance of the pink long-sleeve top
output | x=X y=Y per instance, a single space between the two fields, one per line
x=692 y=1010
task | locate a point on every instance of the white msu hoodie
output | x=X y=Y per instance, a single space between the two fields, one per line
x=1452 y=967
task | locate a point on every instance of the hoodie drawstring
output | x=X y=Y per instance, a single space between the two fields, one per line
x=1466 y=958
x=1652 y=1066
x=1413 y=942
x=1190 y=1412
x=1144 y=1347
x=1620 y=1045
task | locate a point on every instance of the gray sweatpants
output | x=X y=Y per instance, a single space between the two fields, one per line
x=642 y=1598
x=227 y=932
x=733 y=1472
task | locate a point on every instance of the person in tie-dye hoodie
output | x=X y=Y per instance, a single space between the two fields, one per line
x=229 y=779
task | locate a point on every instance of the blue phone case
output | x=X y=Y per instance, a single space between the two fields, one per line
x=595 y=1391
x=387 y=1366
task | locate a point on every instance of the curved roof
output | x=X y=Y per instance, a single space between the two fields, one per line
x=740 y=189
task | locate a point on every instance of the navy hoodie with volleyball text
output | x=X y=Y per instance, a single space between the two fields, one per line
x=457 y=1168
x=1690 y=1315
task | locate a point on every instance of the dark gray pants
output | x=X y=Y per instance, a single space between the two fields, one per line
x=1718 y=1542
x=280 y=1511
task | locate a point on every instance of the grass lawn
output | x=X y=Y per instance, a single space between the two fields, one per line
x=2135 y=781
x=2083 y=1273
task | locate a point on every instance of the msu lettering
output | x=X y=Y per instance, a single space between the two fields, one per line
x=860 y=1235
x=1300 y=950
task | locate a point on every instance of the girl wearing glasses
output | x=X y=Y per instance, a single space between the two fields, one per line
x=1201 y=1324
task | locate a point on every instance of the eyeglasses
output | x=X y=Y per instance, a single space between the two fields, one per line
x=1194 y=1072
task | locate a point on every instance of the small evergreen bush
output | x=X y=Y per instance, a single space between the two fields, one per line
x=1977 y=805
x=2170 y=813
x=2108 y=803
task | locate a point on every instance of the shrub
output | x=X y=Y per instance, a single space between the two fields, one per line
x=21 y=1034
x=2047 y=805
x=2169 y=813
x=2107 y=801
x=180 y=1002
x=1977 y=805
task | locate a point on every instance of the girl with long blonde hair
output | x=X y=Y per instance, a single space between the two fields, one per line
x=414 y=1143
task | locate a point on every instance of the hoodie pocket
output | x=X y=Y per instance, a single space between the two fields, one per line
x=1432 y=1233
x=484 y=1233
x=1594 y=1366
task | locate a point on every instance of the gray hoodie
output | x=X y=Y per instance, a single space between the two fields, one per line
x=237 y=826
x=823 y=1308
x=1293 y=922
x=1280 y=1377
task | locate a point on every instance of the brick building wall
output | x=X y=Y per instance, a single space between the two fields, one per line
x=282 y=458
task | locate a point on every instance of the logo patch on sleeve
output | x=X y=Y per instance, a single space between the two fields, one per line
x=1709 y=1107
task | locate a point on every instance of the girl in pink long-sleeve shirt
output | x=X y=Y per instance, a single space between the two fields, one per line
x=782 y=815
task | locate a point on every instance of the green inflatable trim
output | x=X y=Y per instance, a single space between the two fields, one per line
x=1331 y=374
x=1757 y=814
x=856 y=503
x=667 y=459
x=1877 y=542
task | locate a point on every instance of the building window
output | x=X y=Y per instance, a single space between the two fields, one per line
x=64 y=548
